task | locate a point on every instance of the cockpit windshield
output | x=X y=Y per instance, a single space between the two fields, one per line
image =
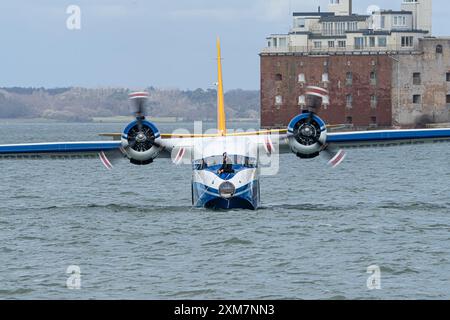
x=236 y=160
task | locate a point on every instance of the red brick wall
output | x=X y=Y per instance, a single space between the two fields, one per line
x=336 y=67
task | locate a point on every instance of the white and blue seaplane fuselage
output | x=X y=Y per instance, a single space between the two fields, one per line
x=239 y=189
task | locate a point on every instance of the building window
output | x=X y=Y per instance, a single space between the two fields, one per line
x=382 y=42
x=340 y=28
x=317 y=44
x=301 y=100
x=301 y=78
x=447 y=76
x=416 y=78
x=448 y=99
x=359 y=43
x=373 y=78
x=301 y=23
x=383 y=22
x=278 y=77
x=330 y=44
x=349 y=101
x=349 y=120
x=327 y=28
x=399 y=21
x=278 y=100
x=349 y=79
x=407 y=42
x=439 y=49
x=372 y=42
x=373 y=120
x=325 y=77
x=373 y=101
x=352 y=26
x=342 y=44
x=417 y=98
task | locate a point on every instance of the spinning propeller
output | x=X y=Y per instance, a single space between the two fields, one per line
x=308 y=133
x=140 y=138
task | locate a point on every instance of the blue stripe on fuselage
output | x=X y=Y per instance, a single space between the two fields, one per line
x=246 y=197
x=226 y=176
x=209 y=189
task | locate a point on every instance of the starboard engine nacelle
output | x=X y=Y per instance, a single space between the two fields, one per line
x=141 y=142
x=307 y=134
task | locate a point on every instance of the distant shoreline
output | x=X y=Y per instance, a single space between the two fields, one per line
x=119 y=119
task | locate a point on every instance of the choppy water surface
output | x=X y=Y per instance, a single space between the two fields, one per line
x=134 y=234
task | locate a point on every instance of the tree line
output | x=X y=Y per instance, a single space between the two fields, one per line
x=83 y=104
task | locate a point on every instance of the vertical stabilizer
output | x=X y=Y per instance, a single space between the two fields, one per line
x=221 y=121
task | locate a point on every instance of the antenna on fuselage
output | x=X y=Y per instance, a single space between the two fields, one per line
x=221 y=120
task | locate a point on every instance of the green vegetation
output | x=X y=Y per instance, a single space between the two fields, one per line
x=111 y=104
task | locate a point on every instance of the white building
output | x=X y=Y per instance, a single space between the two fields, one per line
x=339 y=29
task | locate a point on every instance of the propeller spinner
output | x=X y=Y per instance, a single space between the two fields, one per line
x=308 y=132
x=140 y=138
x=334 y=155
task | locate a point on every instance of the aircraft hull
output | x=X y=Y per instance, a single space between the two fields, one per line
x=246 y=197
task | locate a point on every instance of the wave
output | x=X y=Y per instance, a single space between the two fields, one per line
x=112 y=207
x=10 y=293
x=231 y=241
x=414 y=206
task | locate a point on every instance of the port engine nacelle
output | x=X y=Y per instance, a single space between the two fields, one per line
x=307 y=135
x=141 y=142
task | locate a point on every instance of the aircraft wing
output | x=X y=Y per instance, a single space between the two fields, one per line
x=106 y=151
x=57 y=149
x=365 y=139
x=379 y=138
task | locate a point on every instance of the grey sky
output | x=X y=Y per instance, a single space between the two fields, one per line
x=137 y=43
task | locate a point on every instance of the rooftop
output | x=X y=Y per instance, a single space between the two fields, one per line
x=353 y=17
x=395 y=12
x=313 y=14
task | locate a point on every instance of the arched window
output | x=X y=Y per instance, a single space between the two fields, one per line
x=278 y=100
x=373 y=78
x=301 y=78
x=349 y=101
x=439 y=49
x=278 y=77
x=301 y=100
x=349 y=79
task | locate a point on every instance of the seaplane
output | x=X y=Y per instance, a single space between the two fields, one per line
x=226 y=166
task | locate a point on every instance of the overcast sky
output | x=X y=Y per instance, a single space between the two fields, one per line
x=140 y=43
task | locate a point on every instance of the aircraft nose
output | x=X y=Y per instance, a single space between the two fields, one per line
x=227 y=190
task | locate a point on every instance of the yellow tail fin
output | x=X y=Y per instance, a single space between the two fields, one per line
x=221 y=121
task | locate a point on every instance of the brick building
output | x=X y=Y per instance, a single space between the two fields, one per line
x=381 y=70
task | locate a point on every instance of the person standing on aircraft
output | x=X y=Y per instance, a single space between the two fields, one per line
x=203 y=165
x=227 y=166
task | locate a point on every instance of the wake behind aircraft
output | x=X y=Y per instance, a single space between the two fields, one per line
x=226 y=165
